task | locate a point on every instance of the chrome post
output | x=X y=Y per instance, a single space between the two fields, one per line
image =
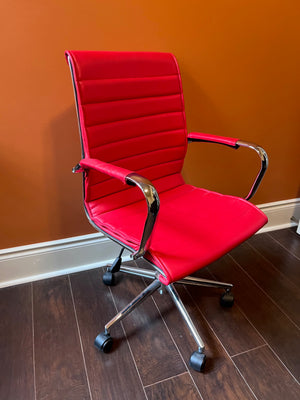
x=175 y=297
x=152 y=200
x=264 y=165
x=259 y=150
x=133 y=304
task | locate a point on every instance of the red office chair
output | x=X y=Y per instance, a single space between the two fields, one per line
x=134 y=139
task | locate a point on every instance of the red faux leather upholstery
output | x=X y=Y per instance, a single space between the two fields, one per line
x=105 y=168
x=194 y=228
x=206 y=137
x=132 y=116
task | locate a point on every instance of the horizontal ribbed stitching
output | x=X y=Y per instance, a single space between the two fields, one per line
x=115 y=162
x=102 y=113
x=158 y=96
x=134 y=154
x=140 y=172
x=135 y=118
x=129 y=78
x=136 y=131
x=135 y=88
x=144 y=153
x=127 y=188
x=137 y=137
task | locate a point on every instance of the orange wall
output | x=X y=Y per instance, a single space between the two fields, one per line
x=240 y=66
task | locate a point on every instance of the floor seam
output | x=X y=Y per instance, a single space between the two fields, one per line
x=79 y=334
x=33 y=344
x=166 y=379
x=249 y=351
x=283 y=246
x=222 y=345
x=264 y=292
x=128 y=344
x=177 y=348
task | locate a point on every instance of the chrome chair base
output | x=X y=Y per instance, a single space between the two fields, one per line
x=104 y=341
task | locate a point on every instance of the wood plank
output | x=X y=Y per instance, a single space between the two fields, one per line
x=229 y=324
x=60 y=372
x=154 y=351
x=266 y=375
x=220 y=380
x=114 y=375
x=277 y=330
x=16 y=343
x=177 y=388
x=289 y=239
x=281 y=259
x=284 y=292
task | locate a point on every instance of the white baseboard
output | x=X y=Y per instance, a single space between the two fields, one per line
x=48 y=259
x=280 y=213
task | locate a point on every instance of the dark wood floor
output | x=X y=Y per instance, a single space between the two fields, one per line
x=47 y=329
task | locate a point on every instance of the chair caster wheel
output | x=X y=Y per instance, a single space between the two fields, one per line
x=109 y=278
x=197 y=361
x=227 y=299
x=103 y=342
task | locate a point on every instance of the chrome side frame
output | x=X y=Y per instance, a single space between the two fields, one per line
x=262 y=155
x=153 y=203
x=263 y=167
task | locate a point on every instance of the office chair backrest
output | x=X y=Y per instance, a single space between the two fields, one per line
x=131 y=114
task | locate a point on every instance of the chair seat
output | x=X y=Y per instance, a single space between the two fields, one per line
x=194 y=228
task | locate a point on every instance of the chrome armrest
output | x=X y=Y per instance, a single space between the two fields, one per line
x=153 y=203
x=263 y=167
x=133 y=179
x=235 y=143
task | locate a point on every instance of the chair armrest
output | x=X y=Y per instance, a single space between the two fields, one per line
x=264 y=163
x=101 y=166
x=133 y=179
x=236 y=143
x=206 y=137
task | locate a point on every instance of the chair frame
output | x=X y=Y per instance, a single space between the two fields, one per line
x=104 y=341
